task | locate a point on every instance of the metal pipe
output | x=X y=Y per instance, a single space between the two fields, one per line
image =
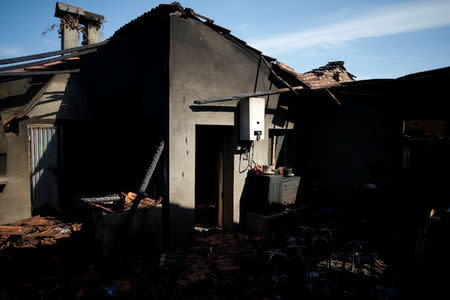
x=152 y=167
x=49 y=54
x=101 y=199
x=246 y=95
x=278 y=77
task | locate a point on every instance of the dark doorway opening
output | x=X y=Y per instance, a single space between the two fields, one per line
x=213 y=175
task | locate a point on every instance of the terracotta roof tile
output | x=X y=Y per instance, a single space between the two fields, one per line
x=333 y=73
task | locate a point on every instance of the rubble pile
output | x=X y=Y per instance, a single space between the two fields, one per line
x=308 y=261
x=34 y=232
x=304 y=261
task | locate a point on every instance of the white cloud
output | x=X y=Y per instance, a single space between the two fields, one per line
x=382 y=21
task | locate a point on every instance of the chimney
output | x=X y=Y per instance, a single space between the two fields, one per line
x=71 y=19
x=94 y=33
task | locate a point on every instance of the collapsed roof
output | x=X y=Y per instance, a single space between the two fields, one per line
x=332 y=74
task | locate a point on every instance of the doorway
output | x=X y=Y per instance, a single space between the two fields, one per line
x=213 y=176
x=45 y=153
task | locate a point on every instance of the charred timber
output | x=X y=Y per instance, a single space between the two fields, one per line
x=38 y=73
x=49 y=54
x=46 y=61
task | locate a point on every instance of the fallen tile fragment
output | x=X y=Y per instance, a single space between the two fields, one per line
x=34 y=232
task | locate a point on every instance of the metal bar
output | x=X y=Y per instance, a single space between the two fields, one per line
x=152 y=167
x=192 y=12
x=246 y=95
x=333 y=97
x=101 y=199
x=102 y=207
x=278 y=77
x=45 y=61
x=35 y=73
x=8 y=61
x=30 y=105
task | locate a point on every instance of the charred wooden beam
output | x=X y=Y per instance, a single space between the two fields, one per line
x=46 y=61
x=37 y=73
x=49 y=54
x=278 y=77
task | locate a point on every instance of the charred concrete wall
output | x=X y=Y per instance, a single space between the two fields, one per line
x=203 y=63
x=126 y=86
x=56 y=100
x=15 y=200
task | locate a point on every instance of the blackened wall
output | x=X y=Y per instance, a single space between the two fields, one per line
x=126 y=85
x=203 y=63
x=15 y=200
x=57 y=97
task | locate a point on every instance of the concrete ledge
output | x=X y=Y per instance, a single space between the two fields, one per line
x=267 y=223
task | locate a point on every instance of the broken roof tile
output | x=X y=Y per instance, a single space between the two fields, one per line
x=331 y=74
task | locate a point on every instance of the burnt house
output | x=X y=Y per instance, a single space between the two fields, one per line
x=126 y=95
x=88 y=123
x=36 y=99
x=141 y=89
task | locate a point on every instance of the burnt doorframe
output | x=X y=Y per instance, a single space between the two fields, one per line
x=222 y=137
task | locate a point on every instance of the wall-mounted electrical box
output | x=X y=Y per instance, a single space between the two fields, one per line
x=252 y=119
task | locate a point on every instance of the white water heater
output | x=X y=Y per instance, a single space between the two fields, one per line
x=252 y=119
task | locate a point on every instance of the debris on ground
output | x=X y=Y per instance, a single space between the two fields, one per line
x=34 y=232
x=309 y=261
x=312 y=261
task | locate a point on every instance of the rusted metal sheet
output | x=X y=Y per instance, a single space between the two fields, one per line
x=44 y=148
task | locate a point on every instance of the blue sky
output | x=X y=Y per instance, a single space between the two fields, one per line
x=376 y=39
